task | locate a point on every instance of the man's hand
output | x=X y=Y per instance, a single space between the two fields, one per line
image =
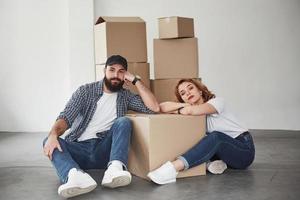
x=51 y=144
x=128 y=76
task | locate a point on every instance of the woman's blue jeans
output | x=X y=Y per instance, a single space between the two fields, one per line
x=94 y=153
x=237 y=152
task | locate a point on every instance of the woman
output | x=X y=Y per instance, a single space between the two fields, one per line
x=227 y=142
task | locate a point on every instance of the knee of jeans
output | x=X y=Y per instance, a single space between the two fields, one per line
x=44 y=141
x=59 y=140
x=215 y=135
x=124 y=121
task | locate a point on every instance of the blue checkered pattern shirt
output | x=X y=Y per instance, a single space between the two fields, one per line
x=82 y=106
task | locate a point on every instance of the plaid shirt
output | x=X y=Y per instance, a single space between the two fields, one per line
x=83 y=103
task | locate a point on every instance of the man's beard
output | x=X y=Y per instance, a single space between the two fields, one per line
x=113 y=87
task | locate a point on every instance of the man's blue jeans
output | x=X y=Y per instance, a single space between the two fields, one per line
x=94 y=153
x=237 y=152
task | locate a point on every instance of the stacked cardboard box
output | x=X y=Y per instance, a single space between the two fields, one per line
x=125 y=36
x=163 y=137
x=175 y=55
x=156 y=138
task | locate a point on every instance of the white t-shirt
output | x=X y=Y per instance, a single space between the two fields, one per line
x=104 y=116
x=223 y=121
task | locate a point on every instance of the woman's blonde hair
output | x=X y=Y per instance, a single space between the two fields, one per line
x=206 y=94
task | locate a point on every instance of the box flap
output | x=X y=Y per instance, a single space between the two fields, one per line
x=118 y=19
x=175 y=17
x=167 y=17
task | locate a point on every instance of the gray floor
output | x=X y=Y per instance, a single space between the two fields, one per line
x=275 y=174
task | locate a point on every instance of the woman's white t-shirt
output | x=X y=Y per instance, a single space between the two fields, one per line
x=223 y=121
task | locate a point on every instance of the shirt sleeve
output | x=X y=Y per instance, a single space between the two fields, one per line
x=218 y=103
x=136 y=103
x=73 y=106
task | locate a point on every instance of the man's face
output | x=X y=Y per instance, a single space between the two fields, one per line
x=114 y=77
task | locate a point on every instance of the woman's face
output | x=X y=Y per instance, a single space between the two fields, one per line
x=189 y=93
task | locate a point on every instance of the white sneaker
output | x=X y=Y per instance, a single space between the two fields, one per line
x=114 y=177
x=216 y=167
x=164 y=174
x=78 y=183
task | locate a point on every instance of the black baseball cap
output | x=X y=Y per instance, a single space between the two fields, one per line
x=116 y=59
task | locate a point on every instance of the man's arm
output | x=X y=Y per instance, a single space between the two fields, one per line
x=146 y=95
x=64 y=121
x=59 y=127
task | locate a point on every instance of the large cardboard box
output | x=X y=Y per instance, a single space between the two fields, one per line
x=162 y=137
x=125 y=36
x=175 y=27
x=141 y=69
x=164 y=89
x=175 y=58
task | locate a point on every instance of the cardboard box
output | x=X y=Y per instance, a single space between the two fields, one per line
x=164 y=89
x=175 y=27
x=175 y=58
x=125 y=36
x=141 y=69
x=162 y=137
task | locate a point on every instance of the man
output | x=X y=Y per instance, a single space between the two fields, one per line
x=99 y=134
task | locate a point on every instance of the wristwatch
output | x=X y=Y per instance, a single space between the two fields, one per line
x=136 y=79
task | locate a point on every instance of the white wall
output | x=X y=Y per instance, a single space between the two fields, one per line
x=81 y=23
x=249 y=51
x=41 y=52
x=34 y=63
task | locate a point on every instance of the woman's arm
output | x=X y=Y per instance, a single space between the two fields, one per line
x=171 y=107
x=203 y=109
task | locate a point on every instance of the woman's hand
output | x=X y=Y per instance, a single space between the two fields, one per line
x=171 y=107
x=203 y=109
x=187 y=110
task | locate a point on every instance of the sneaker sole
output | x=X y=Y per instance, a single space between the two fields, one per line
x=75 y=191
x=118 y=182
x=217 y=167
x=160 y=182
